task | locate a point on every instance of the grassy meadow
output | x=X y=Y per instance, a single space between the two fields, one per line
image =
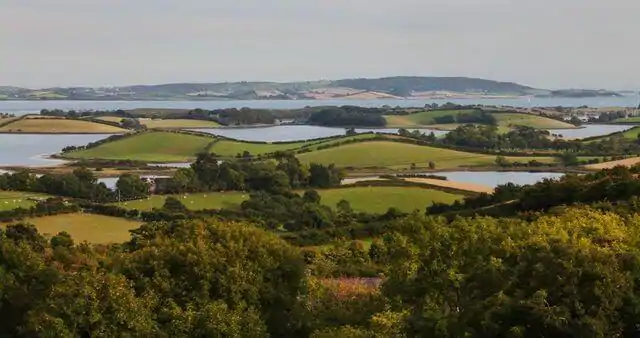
x=230 y=148
x=176 y=123
x=150 y=146
x=380 y=199
x=200 y=201
x=10 y=200
x=395 y=154
x=369 y=199
x=631 y=134
x=420 y=119
x=528 y=120
x=633 y=119
x=56 y=125
x=86 y=227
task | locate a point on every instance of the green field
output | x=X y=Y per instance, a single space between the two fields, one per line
x=177 y=123
x=149 y=146
x=86 y=227
x=369 y=199
x=380 y=199
x=631 y=134
x=528 y=120
x=505 y=120
x=396 y=154
x=115 y=119
x=54 y=125
x=213 y=200
x=10 y=200
x=634 y=119
x=420 y=119
x=230 y=148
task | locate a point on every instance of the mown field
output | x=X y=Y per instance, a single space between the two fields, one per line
x=539 y=122
x=380 y=199
x=116 y=119
x=634 y=119
x=151 y=146
x=86 y=227
x=212 y=200
x=631 y=134
x=505 y=120
x=395 y=154
x=369 y=199
x=15 y=199
x=177 y=123
x=50 y=125
x=230 y=148
x=420 y=119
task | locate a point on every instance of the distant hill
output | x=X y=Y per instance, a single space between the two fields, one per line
x=405 y=86
x=388 y=87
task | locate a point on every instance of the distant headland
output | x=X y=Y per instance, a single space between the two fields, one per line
x=400 y=87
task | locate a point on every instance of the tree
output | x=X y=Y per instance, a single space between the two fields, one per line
x=502 y=161
x=197 y=263
x=173 y=204
x=131 y=186
x=312 y=196
x=87 y=304
x=543 y=278
x=344 y=207
x=569 y=159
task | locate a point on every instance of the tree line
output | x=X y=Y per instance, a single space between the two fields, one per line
x=572 y=274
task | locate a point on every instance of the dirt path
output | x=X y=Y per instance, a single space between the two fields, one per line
x=355 y=180
x=454 y=185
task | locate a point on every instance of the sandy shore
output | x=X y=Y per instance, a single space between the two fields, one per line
x=454 y=185
x=440 y=183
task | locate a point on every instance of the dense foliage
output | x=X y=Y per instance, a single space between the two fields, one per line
x=348 y=116
x=619 y=184
x=487 y=137
x=80 y=184
x=572 y=275
x=208 y=174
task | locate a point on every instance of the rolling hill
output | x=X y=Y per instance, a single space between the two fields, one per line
x=362 y=88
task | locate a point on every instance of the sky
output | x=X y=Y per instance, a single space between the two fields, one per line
x=542 y=43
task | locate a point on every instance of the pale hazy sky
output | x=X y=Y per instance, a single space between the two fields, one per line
x=543 y=43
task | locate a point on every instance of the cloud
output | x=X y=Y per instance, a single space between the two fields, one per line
x=545 y=43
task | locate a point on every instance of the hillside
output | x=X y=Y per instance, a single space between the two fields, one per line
x=57 y=126
x=376 y=88
x=379 y=154
x=404 y=86
x=149 y=146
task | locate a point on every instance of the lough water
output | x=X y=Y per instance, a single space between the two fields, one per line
x=23 y=107
x=590 y=130
x=31 y=149
x=495 y=178
x=295 y=132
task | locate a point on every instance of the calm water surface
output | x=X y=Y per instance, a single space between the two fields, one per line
x=495 y=178
x=20 y=107
x=294 y=132
x=31 y=149
x=590 y=130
